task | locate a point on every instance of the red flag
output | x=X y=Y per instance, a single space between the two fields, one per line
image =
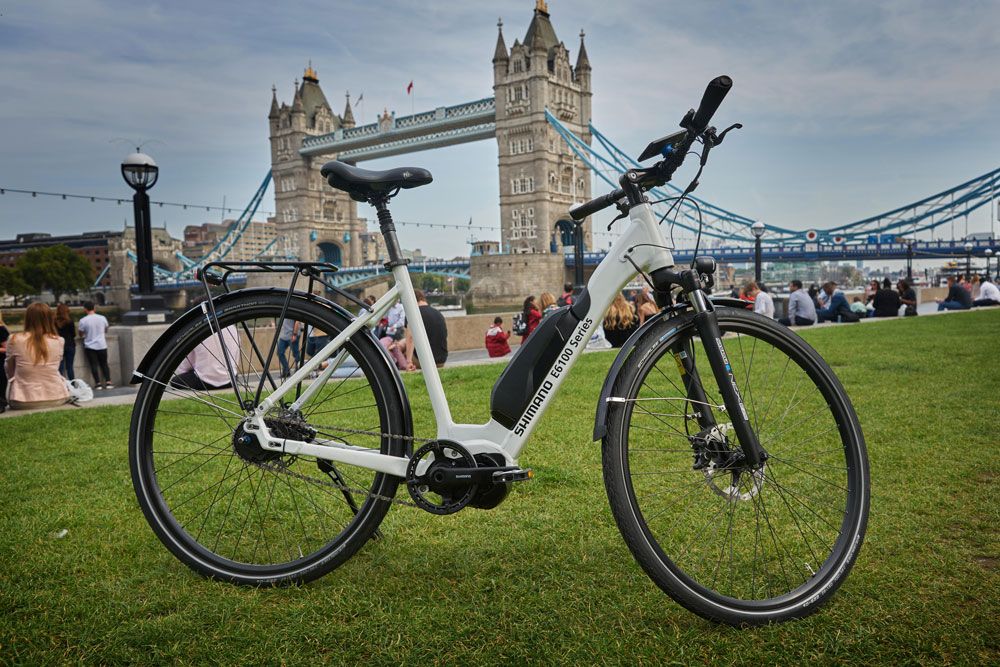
x=409 y=88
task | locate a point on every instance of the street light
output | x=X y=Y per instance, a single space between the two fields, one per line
x=989 y=253
x=758 y=231
x=140 y=172
x=909 y=259
x=968 y=262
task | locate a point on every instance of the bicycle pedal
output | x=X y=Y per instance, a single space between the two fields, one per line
x=516 y=475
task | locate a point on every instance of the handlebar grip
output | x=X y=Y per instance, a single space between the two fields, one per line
x=710 y=101
x=594 y=205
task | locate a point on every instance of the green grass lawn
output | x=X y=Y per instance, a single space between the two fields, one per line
x=545 y=577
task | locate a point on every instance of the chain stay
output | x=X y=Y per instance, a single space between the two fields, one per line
x=341 y=487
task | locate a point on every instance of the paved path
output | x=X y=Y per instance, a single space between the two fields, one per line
x=126 y=395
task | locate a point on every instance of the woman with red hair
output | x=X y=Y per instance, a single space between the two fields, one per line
x=32 y=363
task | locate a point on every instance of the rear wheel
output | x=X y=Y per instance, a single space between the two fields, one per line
x=223 y=505
x=737 y=545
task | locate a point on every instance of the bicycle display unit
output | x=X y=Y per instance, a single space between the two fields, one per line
x=733 y=461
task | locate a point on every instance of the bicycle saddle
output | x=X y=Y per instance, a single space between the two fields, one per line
x=362 y=184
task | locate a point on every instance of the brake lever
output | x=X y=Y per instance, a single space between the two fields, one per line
x=734 y=126
x=622 y=206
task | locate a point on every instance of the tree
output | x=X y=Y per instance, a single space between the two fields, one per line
x=12 y=284
x=56 y=268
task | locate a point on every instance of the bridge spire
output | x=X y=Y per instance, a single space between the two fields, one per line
x=500 y=54
x=348 y=117
x=582 y=61
x=274 y=102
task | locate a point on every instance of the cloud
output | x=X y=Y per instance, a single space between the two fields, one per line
x=851 y=89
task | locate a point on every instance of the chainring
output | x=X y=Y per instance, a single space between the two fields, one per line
x=431 y=496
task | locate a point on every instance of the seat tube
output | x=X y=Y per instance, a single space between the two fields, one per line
x=708 y=329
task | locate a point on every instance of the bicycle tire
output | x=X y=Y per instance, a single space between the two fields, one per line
x=673 y=567
x=311 y=553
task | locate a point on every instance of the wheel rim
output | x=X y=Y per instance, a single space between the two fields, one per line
x=232 y=511
x=759 y=539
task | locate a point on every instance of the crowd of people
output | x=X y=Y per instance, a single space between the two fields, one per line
x=394 y=334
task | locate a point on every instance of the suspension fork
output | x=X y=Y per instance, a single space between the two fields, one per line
x=683 y=352
x=707 y=325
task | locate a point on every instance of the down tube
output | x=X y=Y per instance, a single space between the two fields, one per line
x=644 y=243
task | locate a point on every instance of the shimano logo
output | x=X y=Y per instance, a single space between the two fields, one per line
x=560 y=365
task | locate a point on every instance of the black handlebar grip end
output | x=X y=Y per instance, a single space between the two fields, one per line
x=716 y=91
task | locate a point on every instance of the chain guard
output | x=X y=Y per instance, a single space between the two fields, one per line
x=427 y=490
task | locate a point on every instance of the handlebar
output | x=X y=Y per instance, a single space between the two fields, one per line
x=716 y=91
x=695 y=122
x=581 y=211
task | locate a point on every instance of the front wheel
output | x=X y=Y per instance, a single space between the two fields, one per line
x=732 y=543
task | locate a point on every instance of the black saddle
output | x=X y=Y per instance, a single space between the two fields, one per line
x=365 y=184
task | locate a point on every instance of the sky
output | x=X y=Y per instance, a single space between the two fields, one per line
x=850 y=108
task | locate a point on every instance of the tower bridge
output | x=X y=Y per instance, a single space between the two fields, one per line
x=540 y=177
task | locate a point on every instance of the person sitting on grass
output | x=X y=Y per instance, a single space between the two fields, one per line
x=886 y=301
x=496 y=339
x=989 y=294
x=958 y=297
x=837 y=309
x=801 y=309
x=205 y=367
x=620 y=322
x=907 y=297
x=32 y=364
x=763 y=304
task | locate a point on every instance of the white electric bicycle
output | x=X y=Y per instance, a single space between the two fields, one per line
x=734 y=463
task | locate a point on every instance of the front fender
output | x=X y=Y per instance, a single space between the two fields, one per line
x=200 y=310
x=601 y=418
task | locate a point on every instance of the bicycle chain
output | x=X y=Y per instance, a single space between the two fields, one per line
x=342 y=487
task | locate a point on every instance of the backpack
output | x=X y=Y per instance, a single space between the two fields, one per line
x=520 y=324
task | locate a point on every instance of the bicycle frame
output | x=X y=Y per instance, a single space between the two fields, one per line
x=642 y=243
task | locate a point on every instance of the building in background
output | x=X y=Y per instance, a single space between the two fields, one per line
x=199 y=240
x=540 y=177
x=319 y=221
x=95 y=247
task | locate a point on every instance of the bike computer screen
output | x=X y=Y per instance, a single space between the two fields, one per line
x=658 y=146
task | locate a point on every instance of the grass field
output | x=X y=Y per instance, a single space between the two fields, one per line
x=545 y=577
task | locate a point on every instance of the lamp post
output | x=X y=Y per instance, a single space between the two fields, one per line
x=989 y=253
x=909 y=259
x=968 y=261
x=571 y=233
x=758 y=231
x=140 y=172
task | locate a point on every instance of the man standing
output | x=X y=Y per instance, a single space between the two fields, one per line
x=434 y=325
x=958 y=297
x=287 y=340
x=763 y=304
x=95 y=346
x=801 y=310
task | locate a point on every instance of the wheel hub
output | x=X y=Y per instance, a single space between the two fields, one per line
x=247 y=447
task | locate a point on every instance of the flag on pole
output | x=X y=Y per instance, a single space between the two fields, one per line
x=360 y=97
x=409 y=88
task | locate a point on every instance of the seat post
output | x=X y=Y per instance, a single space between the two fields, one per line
x=388 y=230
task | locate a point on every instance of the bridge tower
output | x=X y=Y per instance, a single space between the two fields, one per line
x=321 y=223
x=539 y=176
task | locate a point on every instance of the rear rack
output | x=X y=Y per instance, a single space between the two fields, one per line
x=315 y=271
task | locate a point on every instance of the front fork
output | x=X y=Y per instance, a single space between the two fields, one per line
x=707 y=325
